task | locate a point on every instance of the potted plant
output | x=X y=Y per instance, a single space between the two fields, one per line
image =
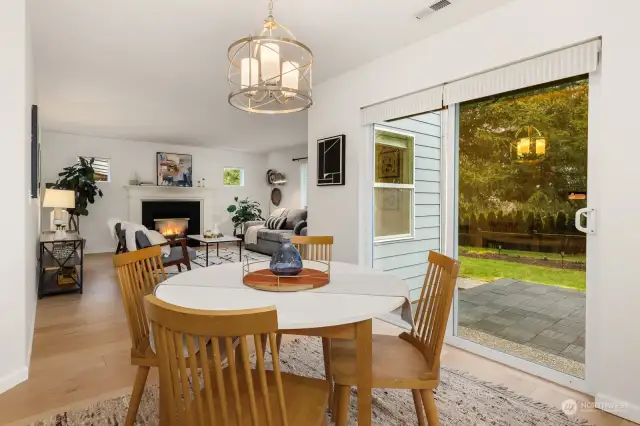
x=244 y=211
x=80 y=178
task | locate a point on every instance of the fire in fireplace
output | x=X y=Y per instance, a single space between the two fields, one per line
x=172 y=228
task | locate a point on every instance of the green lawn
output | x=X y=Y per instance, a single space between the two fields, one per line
x=523 y=253
x=490 y=270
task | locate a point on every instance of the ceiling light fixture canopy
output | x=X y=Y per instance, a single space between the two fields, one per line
x=270 y=73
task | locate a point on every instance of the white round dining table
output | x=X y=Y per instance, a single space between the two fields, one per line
x=342 y=309
x=355 y=293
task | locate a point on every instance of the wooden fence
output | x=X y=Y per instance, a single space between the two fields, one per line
x=549 y=233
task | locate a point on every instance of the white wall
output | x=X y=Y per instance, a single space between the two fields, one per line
x=497 y=38
x=17 y=286
x=134 y=159
x=281 y=161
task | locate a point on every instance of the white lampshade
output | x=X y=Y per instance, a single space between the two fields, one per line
x=249 y=69
x=290 y=77
x=59 y=198
x=270 y=63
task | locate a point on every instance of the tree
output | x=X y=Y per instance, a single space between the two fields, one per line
x=492 y=178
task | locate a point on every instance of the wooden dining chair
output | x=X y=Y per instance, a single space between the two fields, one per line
x=316 y=248
x=138 y=273
x=236 y=395
x=313 y=247
x=411 y=360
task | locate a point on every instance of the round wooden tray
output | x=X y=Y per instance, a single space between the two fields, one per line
x=266 y=280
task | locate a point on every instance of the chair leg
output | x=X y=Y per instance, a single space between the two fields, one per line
x=417 y=401
x=328 y=374
x=279 y=341
x=136 y=395
x=334 y=403
x=179 y=267
x=188 y=264
x=344 y=392
x=430 y=407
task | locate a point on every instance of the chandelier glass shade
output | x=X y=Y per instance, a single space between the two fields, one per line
x=270 y=73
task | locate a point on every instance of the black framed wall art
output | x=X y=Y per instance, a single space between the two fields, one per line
x=331 y=161
x=35 y=153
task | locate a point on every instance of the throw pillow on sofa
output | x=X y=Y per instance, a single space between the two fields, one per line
x=276 y=222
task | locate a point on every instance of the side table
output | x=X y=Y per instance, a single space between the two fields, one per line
x=60 y=264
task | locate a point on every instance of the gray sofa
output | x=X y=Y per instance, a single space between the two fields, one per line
x=269 y=239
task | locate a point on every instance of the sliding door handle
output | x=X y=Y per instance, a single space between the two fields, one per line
x=590 y=215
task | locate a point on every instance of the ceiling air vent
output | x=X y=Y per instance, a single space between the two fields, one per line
x=433 y=8
x=440 y=5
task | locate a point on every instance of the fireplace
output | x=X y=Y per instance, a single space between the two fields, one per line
x=172 y=228
x=173 y=218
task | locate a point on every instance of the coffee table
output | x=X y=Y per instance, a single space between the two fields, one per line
x=210 y=241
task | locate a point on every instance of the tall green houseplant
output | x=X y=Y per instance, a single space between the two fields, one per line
x=244 y=211
x=81 y=179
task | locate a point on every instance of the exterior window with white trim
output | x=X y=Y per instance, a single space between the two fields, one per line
x=233 y=176
x=101 y=167
x=394 y=185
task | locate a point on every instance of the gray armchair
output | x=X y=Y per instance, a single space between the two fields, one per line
x=181 y=254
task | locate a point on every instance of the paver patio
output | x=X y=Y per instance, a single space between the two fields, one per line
x=548 y=318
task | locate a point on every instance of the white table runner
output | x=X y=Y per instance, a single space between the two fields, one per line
x=346 y=279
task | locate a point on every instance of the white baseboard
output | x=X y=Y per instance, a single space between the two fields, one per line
x=618 y=407
x=13 y=378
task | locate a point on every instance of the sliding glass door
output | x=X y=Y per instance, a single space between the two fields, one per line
x=522 y=181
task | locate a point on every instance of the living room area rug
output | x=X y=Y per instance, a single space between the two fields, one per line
x=228 y=253
x=461 y=399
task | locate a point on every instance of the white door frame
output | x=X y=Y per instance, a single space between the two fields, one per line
x=450 y=217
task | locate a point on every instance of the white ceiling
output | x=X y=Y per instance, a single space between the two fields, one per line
x=155 y=70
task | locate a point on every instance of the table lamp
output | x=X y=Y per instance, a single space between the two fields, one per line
x=59 y=199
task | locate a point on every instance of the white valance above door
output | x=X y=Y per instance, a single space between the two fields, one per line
x=416 y=103
x=558 y=65
x=564 y=63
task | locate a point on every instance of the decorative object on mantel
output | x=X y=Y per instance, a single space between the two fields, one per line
x=79 y=178
x=59 y=199
x=331 y=161
x=276 y=196
x=174 y=169
x=270 y=73
x=244 y=211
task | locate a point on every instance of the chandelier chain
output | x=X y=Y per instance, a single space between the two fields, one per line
x=270 y=8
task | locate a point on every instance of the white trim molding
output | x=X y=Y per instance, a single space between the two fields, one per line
x=14 y=378
x=617 y=407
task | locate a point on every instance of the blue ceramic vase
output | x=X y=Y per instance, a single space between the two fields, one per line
x=286 y=261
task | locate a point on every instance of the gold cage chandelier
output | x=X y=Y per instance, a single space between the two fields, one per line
x=270 y=73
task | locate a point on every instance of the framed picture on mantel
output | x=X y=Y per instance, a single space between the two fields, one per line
x=331 y=161
x=174 y=169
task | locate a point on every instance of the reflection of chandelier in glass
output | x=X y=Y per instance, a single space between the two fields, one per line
x=530 y=147
x=270 y=73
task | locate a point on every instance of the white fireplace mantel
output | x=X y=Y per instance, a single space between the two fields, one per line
x=138 y=194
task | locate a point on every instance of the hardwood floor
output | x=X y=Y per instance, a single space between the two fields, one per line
x=81 y=355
